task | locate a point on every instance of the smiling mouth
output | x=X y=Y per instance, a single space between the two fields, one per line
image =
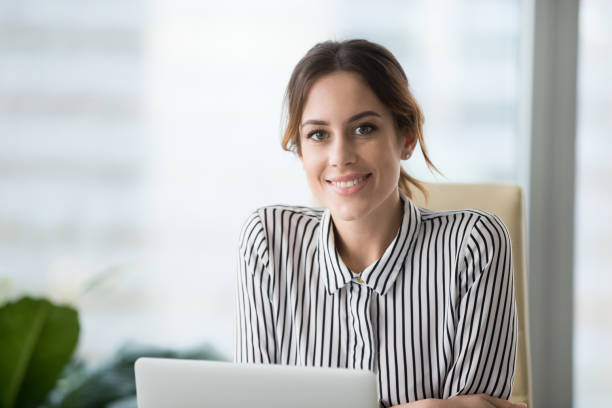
x=349 y=187
x=345 y=184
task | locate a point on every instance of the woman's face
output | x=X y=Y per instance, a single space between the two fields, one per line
x=350 y=147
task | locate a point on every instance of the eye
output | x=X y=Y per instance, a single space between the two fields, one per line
x=365 y=129
x=316 y=135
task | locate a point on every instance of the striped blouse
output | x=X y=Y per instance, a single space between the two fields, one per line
x=434 y=317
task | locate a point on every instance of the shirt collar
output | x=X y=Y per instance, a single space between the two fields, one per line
x=379 y=276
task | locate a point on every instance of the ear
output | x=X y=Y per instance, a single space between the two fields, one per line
x=409 y=142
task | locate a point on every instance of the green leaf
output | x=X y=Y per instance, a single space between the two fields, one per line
x=113 y=382
x=37 y=339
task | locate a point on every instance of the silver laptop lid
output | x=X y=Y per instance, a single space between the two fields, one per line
x=193 y=383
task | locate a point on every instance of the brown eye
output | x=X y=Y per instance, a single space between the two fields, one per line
x=316 y=135
x=365 y=129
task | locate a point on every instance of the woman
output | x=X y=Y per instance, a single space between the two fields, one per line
x=423 y=298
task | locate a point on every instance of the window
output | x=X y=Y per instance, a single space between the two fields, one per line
x=136 y=137
x=592 y=302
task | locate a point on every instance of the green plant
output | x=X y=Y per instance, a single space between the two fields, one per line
x=37 y=339
x=112 y=383
x=38 y=368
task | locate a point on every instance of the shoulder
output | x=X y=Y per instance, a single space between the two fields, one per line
x=468 y=227
x=268 y=228
x=280 y=218
x=278 y=212
x=469 y=216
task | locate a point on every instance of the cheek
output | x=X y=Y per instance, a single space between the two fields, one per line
x=313 y=166
x=389 y=164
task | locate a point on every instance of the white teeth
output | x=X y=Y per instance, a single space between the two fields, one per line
x=345 y=184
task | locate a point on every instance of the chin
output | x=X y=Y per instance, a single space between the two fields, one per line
x=347 y=211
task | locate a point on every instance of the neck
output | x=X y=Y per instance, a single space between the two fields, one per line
x=360 y=243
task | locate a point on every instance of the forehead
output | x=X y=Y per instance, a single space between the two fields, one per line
x=340 y=95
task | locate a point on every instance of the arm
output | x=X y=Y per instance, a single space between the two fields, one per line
x=253 y=317
x=482 y=371
x=485 y=337
x=464 y=401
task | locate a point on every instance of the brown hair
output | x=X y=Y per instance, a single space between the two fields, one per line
x=381 y=71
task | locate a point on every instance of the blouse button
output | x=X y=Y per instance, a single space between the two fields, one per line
x=358 y=278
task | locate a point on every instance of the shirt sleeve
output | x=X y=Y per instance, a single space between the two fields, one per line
x=254 y=339
x=485 y=341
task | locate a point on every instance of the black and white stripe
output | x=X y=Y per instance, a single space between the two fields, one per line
x=434 y=317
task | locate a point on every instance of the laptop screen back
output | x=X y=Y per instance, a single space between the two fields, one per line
x=192 y=383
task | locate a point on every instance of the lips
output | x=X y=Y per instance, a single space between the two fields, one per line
x=348 y=177
x=347 y=185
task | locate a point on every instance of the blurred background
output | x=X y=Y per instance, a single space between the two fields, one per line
x=136 y=136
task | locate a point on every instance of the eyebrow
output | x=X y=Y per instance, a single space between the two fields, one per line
x=351 y=119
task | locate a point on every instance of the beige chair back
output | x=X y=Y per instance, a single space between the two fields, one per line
x=505 y=201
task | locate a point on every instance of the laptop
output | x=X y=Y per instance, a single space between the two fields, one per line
x=162 y=382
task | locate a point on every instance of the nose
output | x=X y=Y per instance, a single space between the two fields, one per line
x=342 y=152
